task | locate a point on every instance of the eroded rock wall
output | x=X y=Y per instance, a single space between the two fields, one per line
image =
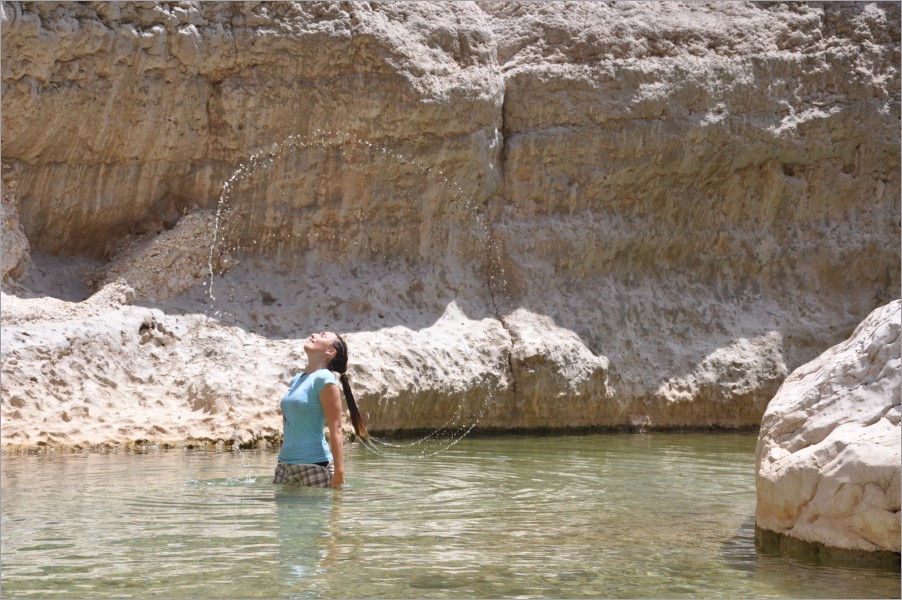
x=14 y=256
x=640 y=214
x=129 y=110
x=688 y=182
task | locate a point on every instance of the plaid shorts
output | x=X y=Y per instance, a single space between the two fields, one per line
x=309 y=475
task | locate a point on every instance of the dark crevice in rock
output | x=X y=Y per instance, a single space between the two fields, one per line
x=495 y=273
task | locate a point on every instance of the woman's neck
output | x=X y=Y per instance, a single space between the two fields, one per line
x=314 y=365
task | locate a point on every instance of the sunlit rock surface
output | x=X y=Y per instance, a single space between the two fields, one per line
x=830 y=448
x=531 y=215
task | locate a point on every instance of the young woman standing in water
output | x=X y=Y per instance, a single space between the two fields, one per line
x=312 y=402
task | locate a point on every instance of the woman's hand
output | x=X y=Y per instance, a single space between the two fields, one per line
x=338 y=480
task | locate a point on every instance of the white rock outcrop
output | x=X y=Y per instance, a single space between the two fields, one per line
x=830 y=450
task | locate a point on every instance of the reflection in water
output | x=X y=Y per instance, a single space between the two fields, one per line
x=735 y=549
x=309 y=526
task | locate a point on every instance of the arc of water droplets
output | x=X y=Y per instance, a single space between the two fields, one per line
x=435 y=433
x=454 y=440
x=373 y=443
x=431 y=435
x=294 y=141
x=265 y=157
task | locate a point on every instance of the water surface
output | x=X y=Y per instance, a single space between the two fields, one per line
x=619 y=515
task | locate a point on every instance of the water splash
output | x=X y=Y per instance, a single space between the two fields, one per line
x=437 y=441
x=291 y=221
x=326 y=166
x=226 y=482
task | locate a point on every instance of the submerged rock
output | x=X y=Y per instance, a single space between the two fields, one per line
x=828 y=455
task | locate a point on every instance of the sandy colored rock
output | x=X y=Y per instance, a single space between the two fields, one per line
x=677 y=180
x=828 y=453
x=101 y=371
x=159 y=104
x=14 y=253
x=541 y=214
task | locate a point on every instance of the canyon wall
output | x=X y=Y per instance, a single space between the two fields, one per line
x=537 y=215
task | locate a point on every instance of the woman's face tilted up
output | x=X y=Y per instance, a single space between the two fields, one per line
x=320 y=343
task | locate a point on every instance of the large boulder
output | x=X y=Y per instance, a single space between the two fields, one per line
x=828 y=456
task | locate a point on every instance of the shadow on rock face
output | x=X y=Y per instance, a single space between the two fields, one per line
x=770 y=543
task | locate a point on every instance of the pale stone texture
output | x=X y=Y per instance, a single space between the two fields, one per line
x=100 y=371
x=539 y=214
x=14 y=249
x=158 y=103
x=830 y=447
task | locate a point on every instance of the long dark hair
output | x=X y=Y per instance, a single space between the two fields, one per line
x=339 y=364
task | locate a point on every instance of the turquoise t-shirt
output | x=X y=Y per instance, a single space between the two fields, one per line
x=303 y=419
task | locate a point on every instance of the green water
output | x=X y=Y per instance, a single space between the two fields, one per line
x=627 y=515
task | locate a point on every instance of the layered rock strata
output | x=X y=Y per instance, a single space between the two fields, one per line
x=538 y=214
x=830 y=448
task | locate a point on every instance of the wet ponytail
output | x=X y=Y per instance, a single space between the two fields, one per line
x=339 y=364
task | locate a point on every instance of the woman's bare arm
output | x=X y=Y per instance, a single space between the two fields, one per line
x=330 y=398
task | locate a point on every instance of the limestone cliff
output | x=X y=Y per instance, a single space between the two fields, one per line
x=541 y=214
x=683 y=187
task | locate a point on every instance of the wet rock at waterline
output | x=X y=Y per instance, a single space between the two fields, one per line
x=530 y=215
x=829 y=453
